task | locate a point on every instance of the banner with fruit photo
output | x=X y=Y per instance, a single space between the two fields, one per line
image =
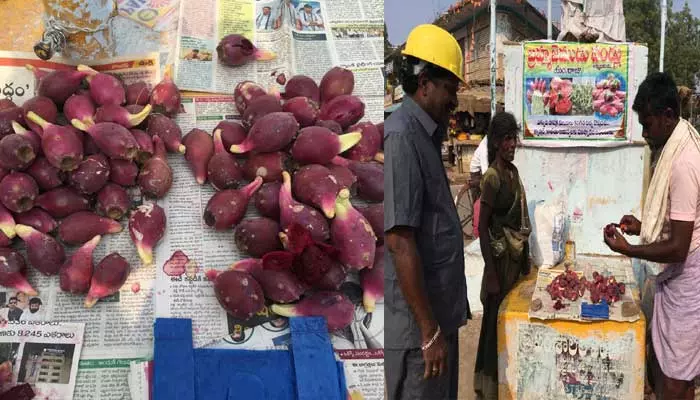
x=575 y=94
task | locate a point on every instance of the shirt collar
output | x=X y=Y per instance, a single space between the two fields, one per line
x=425 y=120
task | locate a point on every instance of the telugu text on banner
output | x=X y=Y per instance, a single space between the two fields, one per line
x=575 y=93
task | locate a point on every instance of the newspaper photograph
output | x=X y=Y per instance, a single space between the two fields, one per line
x=624 y=307
x=42 y=353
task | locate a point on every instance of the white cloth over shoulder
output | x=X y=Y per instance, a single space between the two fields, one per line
x=656 y=203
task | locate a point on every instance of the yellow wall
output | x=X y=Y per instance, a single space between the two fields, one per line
x=533 y=355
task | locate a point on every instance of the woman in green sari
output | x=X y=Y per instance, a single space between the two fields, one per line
x=504 y=228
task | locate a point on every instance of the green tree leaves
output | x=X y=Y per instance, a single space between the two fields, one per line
x=682 y=47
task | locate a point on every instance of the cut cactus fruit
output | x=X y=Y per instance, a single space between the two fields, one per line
x=199 y=150
x=61 y=145
x=107 y=278
x=104 y=88
x=257 y=236
x=165 y=128
x=37 y=219
x=315 y=185
x=156 y=176
x=372 y=281
x=223 y=171
x=114 y=140
x=352 y=234
x=80 y=227
x=57 y=85
x=18 y=192
x=234 y=50
x=292 y=211
x=146 y=227
x=13 y=270
x=318 y=145
x=62 y=202
x=44 y=252
x=335 y=307
x=165 y=97
x=121 y=116
x=239 y=294
x=76 y=272
x=226 y=208
x=249 y=265
x=279 y=285
x=7 y=223
x=273 y=132
x=80 y=107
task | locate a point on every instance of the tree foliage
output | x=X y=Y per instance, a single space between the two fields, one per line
x=387 y=44
x=682 y=46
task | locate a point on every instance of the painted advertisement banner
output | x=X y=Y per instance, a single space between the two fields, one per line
x=575 y=94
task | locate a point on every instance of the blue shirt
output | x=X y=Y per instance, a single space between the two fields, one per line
x=417 y=194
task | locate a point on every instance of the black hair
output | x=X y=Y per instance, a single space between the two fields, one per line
x=35 y=300
x=657 y=93
x=502 y=126
x=410 y=80
x=13 y=298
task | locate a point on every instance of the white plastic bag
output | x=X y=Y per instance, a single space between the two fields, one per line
x=547 y=243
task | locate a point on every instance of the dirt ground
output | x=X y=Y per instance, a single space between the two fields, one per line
x=468 y=342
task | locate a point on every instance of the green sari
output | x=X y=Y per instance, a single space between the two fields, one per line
x=509 y=230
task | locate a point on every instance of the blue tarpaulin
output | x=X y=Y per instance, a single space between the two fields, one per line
x=308 y=370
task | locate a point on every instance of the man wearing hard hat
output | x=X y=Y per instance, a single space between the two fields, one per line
x=426 y=293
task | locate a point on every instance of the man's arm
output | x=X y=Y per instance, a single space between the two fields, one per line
x=684 y=190
x=403 y=207
x=673 y=250
x=401 y=244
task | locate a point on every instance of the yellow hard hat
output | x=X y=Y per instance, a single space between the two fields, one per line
x=435 y=45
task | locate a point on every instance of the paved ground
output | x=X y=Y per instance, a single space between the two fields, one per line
x=468 y=342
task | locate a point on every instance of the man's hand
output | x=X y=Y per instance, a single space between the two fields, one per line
x=435 y=357
x=400 y=241
x=630 y=225
x=617 y=242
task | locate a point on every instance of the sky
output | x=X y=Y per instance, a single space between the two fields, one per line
x=399 y=22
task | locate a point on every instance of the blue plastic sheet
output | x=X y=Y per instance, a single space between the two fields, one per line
x=308 y=370
x=595 y=311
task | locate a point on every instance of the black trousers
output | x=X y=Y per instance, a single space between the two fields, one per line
x=404 y=371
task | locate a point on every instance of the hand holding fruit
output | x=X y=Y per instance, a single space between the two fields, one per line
x=615 y=241
x=630 y=225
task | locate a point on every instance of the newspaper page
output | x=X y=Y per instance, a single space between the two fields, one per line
x=346 y=34
x=140 y=373
x=201 y=26
x=118 y=329
x=307 y=37
x=43 y=354
x=542 y=306
x=191 y=295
